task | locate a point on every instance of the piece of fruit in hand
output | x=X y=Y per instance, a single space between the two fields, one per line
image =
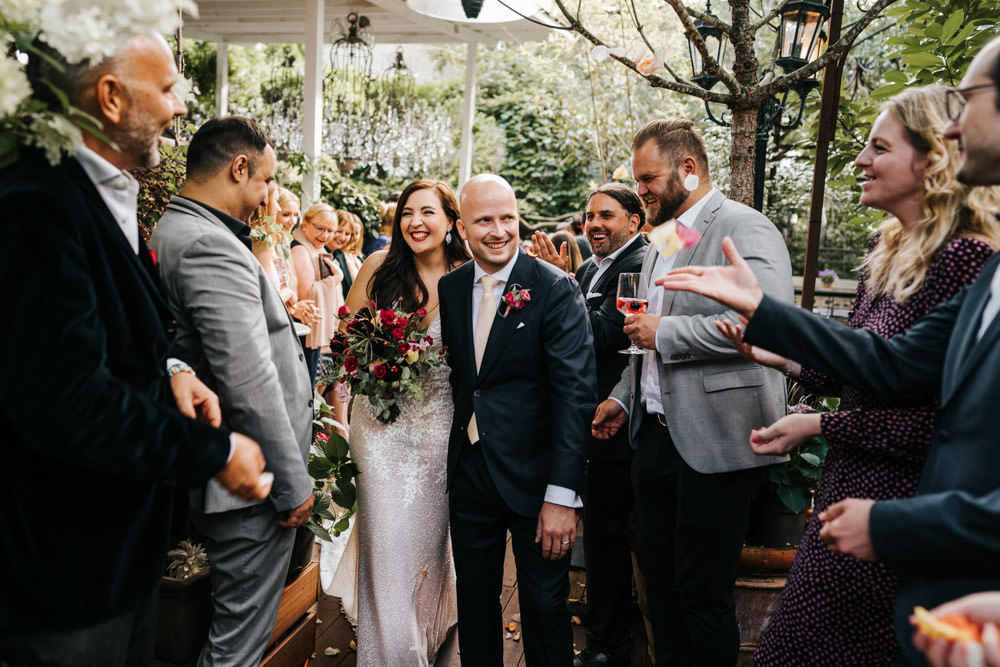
x=953 y=627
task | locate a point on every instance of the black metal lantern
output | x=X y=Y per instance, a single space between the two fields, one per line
x=715 y=44
x=802 y=34
x=471 y=8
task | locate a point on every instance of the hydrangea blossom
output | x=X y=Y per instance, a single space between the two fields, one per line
x=14 y=85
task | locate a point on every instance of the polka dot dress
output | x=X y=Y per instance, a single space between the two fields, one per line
x=835 y=609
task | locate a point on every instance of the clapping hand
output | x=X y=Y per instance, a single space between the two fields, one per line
x=735 y=285
x=305 y=311
x=544 y=249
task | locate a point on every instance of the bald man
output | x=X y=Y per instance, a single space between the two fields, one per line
x=523 y=381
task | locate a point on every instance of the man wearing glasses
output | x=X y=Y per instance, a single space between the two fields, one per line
x=945 y=541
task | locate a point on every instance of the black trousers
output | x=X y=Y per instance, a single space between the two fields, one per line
x=479 y=523
x=608 y=557
x=689 y=533
x=127 y=640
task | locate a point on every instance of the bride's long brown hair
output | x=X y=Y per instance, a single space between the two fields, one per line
x=397 y=278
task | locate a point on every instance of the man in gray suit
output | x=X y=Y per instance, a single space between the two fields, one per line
x=690 y=401
x=234 y=330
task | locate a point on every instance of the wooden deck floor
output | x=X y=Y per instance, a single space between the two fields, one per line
x=334 y=632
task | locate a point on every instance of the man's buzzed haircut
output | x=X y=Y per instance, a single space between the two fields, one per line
x=219 y=141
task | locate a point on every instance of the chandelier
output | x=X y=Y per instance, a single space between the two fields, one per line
x=350 y=95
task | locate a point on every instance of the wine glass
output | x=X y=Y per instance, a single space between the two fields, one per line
x=631 y=301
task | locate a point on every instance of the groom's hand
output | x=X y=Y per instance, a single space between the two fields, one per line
x=556 y=530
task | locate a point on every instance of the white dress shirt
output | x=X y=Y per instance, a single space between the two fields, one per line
x=605 y=262
x=118 y=189
x=557 y=495
x=649 y=383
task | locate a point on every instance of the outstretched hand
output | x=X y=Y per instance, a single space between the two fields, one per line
x=734 y=332
x=785 y=434
x=734 y=286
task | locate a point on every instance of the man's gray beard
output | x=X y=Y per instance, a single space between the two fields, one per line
x=138 y=138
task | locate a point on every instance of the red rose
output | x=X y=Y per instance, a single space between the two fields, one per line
x=392 y=373
x=404 y=347
x=351 y=364
x=428 y=340
x=422 y=312
x=388 y=317
x=343 y=311
x=398 y=333
x=380 y=370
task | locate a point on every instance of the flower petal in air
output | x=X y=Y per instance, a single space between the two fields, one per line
x=620 y=173
x=664 y=237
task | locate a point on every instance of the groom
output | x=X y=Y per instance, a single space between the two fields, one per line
x=523 y=380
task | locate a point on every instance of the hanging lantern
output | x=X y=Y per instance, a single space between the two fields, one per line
x=801 y=37
x=715 y=43
x=471 y=8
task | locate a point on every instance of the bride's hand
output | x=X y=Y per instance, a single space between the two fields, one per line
x=734 y=332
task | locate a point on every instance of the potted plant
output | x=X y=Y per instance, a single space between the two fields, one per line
x=827 y=276
x=185 y=608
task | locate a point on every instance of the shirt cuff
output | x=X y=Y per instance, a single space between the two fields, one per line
x=624 y=407
x=560 y=495
x=232 y=447
x=173 y=361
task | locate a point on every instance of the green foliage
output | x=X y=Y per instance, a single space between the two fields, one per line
x=796 y=480
x=334 y=492
x=158 y=185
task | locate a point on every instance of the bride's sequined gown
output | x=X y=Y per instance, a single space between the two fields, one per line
x=405 y=574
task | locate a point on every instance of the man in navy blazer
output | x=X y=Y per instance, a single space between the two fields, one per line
x=523 y=400
x=945 y=541
x=94 y=447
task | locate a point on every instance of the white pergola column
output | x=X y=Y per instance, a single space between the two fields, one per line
x=221 y=79
x=468 y=113
x=312 y=98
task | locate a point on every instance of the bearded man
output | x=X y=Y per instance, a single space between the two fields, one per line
x=690 y=402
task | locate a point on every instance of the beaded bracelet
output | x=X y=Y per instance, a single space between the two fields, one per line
x=178 y=368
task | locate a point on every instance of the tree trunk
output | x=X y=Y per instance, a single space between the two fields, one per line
x=741 y=154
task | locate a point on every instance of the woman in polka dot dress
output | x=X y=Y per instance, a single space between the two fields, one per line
x=835 y=609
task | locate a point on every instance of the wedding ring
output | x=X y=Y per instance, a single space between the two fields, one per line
x=564 y=543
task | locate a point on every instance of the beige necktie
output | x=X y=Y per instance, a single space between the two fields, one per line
x=487 y=313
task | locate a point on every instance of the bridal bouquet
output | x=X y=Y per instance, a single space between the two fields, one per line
x=383 y=354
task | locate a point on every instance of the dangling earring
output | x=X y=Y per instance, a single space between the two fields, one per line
x=691 y=182
x=447 y=238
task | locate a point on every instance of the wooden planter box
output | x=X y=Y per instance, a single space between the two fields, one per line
x=184 y=615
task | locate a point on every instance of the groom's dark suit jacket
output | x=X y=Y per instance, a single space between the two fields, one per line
x=535 y=393
x=91 y=434
x=945 y=542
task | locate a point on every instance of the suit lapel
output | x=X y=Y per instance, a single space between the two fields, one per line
x=605 y=283
x=461 y=297
x=523 y=276
x=965 y=351
x=141 y=262
x=684 y=255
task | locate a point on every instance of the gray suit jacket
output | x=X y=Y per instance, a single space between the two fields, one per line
x=712 y=397
x=233 y=329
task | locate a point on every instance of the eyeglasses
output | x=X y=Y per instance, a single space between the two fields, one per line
x=956 y=98
x=323 y=230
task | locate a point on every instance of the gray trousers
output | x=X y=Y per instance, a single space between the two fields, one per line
x=249 y=555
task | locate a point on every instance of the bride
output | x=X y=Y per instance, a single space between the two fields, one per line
x=398 y=560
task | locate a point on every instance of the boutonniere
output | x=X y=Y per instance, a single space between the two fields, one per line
x=515 y=299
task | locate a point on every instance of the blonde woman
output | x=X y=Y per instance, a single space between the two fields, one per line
x=837 y=610
x=319 y=278
x=352 y=249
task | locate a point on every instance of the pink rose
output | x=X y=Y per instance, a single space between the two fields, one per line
x=525 y=296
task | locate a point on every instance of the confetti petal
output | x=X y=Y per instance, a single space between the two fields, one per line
x=664 y=237
x=620 y=173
